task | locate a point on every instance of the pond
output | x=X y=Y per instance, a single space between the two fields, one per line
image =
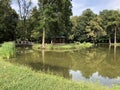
x=101 y=64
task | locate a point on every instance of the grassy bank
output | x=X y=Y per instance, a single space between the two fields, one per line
x=7 y=50
x=22 y=78
x=72 y=46
x=117 y=44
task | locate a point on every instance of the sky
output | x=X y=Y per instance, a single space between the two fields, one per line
x=80 y=5
x=15 y=4
x=95 y=5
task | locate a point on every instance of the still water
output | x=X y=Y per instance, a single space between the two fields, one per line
x=101 y=64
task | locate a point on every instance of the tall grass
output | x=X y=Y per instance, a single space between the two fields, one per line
x=7 y=50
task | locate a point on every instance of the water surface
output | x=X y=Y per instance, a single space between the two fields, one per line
x=99 y=64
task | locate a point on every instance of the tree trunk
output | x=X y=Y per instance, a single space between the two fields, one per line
x=24 y=28
x=115 y=37
x=94 y=41
x=114 y=52
x=109 y=40
x=43 y=38
x=43 y=56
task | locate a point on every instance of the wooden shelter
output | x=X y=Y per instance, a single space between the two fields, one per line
x=58 y=39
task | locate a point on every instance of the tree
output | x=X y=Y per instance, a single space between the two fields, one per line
x=116 y=24
x=74 y=28
x=110 y=22
x=34 y=25
x=80 y=33
x=54 y=17
x=8 y=21
x=24 y=13
x=94 y=28
x=66 y=13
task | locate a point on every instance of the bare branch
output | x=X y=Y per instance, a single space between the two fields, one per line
x=51 y=2
x=24 y=8
x=20 y=9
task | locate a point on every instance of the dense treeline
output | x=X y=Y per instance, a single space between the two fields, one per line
x=96 y=28
x=52 y=18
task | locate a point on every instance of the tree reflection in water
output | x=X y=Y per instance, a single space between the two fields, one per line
x=91 y=64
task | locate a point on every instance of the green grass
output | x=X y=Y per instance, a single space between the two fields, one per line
x=117 y=44
x=37 y=46
x=7 y=50
x=23 y=78
x=73 y=46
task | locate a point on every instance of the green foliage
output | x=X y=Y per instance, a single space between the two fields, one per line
x=8 y=21
x=24 y=7
x=22 y=78
x=73 y=31
x=54 y=15
x=111 y=22
x=79 y=32
x=7 y=50
x=94 y=28
x=35 y=27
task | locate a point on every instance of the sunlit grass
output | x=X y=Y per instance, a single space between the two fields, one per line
x=36 y=46
x=7 y=50
x=72 y=46
x=117 y=44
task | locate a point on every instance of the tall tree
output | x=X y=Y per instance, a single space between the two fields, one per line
x=24 y=13
x=74 y=28
x=34 y=25
x=8 y=21
x=82 y=22
x=110 y=22
x=54 y=17
x=116 y=24
x=66 y=13
x=94 y=28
